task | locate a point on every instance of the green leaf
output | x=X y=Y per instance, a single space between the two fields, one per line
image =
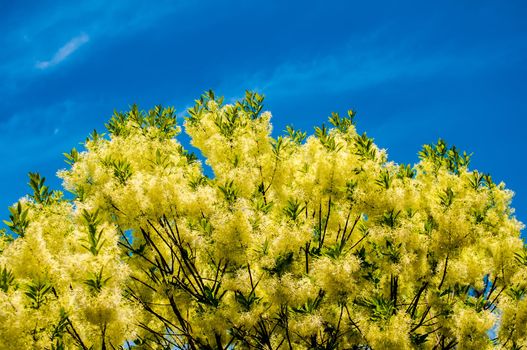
x=230 y=192
x=6 y=279
x=379 y=307
x=327 y=139
x=293 y=209
x=389 y=218
x=41 y=193
x=281 y=265
x=446 y=198
x=365 y=147
x=38 y=292
x=246 y=301
x=406 y=171
x=72 y=157
x=198 y=181
x=311 y=305
x=96 y=282
x=295 y=135
x=19 y=221
x=122 y=171
x=442 y=156
x=94 y=240
x=384 y=180
x=342 y=124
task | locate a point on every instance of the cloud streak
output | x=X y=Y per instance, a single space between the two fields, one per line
x=363 y=63
x=350 y=71
x=64 y=52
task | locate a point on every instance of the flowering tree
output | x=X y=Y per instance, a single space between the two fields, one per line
x=292 y=243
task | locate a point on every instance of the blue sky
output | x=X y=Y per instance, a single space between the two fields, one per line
x=414 y=72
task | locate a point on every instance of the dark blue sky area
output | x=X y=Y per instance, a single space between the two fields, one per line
x=414 y=71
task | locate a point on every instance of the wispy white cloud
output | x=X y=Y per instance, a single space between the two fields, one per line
x=30 y=43
x=348 y=71
x=362 y=64
x=64 y=52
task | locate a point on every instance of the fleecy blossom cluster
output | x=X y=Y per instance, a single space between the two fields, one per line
x=293 y=243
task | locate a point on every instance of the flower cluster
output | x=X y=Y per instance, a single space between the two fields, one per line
x=292 y=242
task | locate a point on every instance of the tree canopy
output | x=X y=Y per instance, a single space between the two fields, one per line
x=288 y=242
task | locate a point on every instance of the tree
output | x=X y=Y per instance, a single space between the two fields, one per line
x=289 y=243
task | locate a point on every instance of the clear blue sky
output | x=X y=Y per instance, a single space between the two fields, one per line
x=414 y=71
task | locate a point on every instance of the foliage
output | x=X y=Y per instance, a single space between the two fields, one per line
x=292 y=242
